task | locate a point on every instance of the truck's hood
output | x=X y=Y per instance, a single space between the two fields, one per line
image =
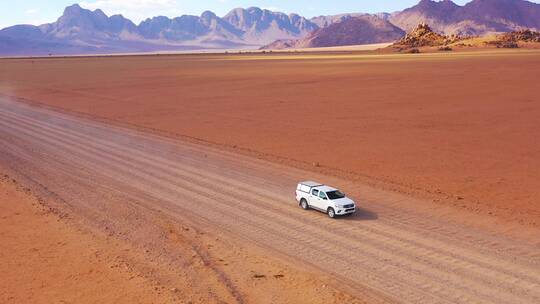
x=343 y=201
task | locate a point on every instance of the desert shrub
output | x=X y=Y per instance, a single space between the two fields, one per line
x=445 y=48
x=413 y=51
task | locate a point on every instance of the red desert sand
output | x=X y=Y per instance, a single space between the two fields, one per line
x=460 y=128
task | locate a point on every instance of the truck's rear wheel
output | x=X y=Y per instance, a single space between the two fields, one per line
x=331 y=213
x=304 y=204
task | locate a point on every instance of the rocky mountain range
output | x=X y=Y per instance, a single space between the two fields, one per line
x=477 y=17
x=81 y=31
x=350 y=30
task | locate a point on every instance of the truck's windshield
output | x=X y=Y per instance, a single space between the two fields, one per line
x=333 y=195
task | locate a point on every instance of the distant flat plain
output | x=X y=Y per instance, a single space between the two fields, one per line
x=460 y=128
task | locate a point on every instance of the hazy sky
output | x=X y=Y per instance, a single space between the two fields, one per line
x=41 y=11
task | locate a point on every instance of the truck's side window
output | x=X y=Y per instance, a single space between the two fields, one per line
x=322 y=195
x=314 y=192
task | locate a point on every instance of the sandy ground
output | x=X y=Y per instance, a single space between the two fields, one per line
x=223 y=227
x=461 y=129
x=49 y=256
x=46 y=261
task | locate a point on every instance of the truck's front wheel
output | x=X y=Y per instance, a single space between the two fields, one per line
x=304 y=204
x=331 y=212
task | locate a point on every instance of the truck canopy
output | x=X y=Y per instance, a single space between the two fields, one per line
x=307 y=185
x=310 y=184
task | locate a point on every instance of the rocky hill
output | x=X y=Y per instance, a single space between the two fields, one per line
x=521 y=36
x=423 y=36
x=515 y=39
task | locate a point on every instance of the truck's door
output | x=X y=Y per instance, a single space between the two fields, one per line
x=323 y=200
x=314 y=199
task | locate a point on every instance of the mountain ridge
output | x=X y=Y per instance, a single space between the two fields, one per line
x=80 y=30
x=351 y=30
x=477 y=17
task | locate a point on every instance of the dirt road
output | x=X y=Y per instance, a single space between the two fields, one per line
x=385 y=253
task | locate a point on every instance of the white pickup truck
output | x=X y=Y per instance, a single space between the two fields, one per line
x=323 y=198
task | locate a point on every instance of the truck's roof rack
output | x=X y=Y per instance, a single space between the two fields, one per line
x=311 y=184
